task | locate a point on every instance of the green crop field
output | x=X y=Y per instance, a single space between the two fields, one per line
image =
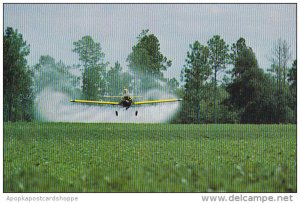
x=67 y=157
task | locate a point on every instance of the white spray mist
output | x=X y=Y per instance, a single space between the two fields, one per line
x=55 y=88
x=54 y=106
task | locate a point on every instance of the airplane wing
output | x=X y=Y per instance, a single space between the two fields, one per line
x=94 y=102
x=156 y=101
x=121 y=96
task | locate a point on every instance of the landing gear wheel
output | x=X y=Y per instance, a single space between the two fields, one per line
x=136 y=113
x=117 y=113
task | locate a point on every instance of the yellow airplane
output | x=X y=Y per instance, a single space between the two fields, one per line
x=126 y=101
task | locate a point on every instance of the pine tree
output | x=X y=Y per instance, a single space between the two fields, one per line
x=17 y=78
x=218 y=59
x=195 y=74
x=91 y=56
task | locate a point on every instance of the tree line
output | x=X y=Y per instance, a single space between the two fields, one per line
x=220 y=83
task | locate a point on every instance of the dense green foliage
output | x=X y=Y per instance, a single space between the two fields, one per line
x=245 y=94
x=292 y=78
x=195 y=74
x=146 y=56
x=147 y=63
x=251 y=90
x=62 y=157
x=17 y=78
x=249 y=95
x=92 y=59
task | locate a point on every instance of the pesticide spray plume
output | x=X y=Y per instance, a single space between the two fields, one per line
x=54 y=106
x=55 y=87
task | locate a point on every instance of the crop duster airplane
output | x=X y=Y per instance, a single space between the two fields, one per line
x=126 y=101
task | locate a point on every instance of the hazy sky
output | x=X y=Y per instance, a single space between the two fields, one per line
x=52 y=28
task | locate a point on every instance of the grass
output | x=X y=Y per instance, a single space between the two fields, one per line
x=66 y=157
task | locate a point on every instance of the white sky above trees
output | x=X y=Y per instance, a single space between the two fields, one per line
x=51 y=29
